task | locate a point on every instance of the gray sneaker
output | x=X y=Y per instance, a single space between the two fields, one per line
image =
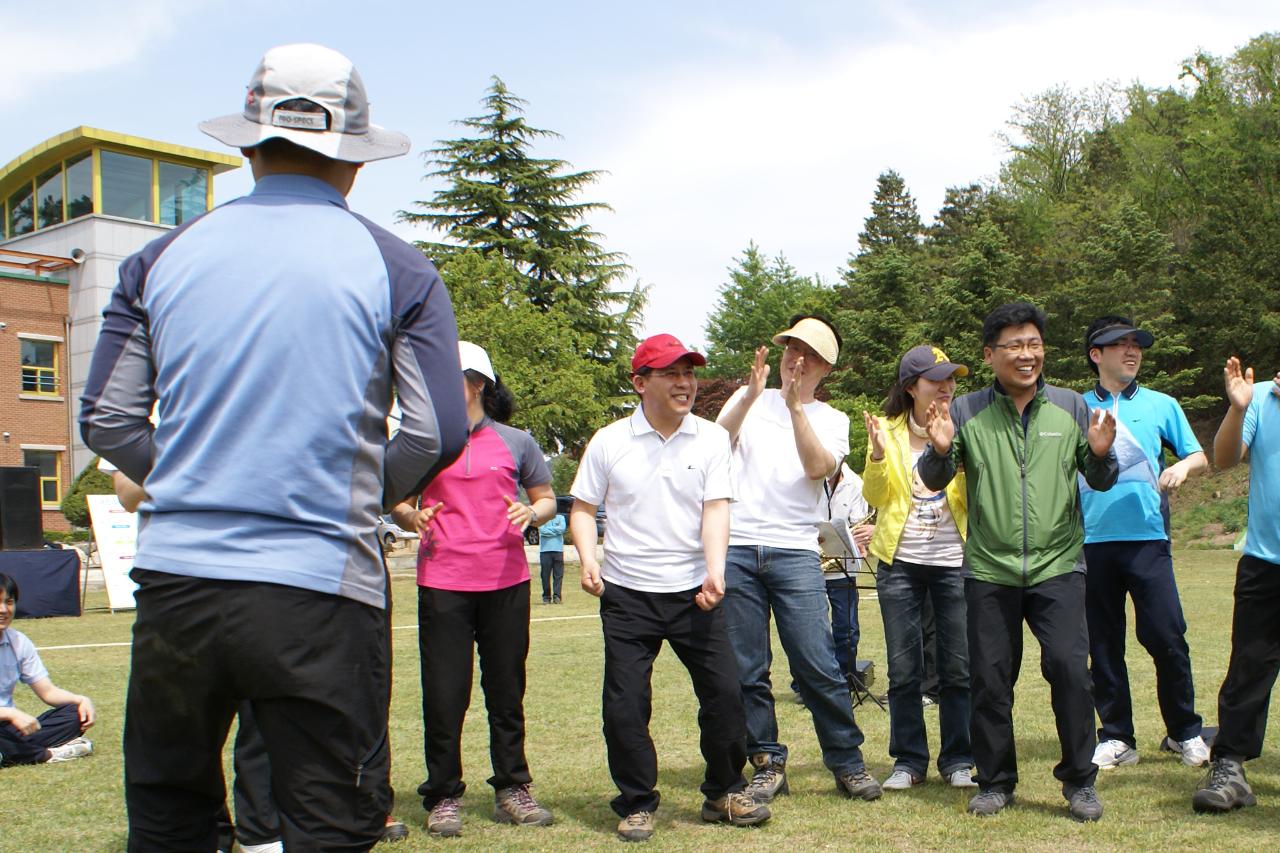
x=1083 y=802
x=736 y=809
x=71 y=750
x=901 y=779
x=516 y=805
x=769 y=779
x=1224 y=788
x=444 y=820
x=987 y=803
x=858 y=785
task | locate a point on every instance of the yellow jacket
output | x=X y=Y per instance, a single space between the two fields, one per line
x=887 y=486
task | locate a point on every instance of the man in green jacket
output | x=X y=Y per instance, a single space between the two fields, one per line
x=1021 y=444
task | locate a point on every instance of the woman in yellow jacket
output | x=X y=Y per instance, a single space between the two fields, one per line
x=919 y=541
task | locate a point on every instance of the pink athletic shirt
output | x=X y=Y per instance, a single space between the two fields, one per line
x=470 y=546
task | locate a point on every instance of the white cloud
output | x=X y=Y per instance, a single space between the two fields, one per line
x=787 y=151
x=42 y=44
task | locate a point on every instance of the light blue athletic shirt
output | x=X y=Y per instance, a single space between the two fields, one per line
x=1262 y=436
x=1135 y=509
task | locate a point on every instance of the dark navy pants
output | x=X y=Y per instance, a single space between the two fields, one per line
x=1143 y=571
x=57 y=726
x=1255 y=660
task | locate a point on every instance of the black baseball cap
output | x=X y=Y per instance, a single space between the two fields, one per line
x=1108 y=335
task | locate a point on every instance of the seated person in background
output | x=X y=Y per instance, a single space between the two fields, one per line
x=55 y=735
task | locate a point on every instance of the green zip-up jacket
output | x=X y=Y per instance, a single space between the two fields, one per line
x=1025 y=523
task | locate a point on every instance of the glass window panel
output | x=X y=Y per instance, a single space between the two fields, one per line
x=126 y=186
x=80 y=185
x=182 y=193
x=49 y=193
x=39 y=367
x=21 y=220
x=47 y=462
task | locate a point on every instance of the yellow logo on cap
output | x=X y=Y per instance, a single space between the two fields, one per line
x=939 y=357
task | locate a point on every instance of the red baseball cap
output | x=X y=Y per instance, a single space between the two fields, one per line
x=660 y=351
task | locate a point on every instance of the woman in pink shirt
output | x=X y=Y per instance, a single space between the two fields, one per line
x=473 y=589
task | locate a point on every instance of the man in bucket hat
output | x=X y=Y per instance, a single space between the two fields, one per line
x=259 y=571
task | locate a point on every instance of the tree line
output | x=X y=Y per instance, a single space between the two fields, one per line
x=1156 y=203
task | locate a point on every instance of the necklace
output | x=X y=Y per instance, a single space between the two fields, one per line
x=916 y=430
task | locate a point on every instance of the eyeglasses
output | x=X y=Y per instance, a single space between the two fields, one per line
x=1029 y=345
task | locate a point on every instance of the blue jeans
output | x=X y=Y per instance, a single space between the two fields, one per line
x=902 y=589
x=845 y=631
x=759 y=579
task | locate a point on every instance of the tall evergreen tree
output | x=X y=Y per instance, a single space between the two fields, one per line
x=499 y=200
x=894 y=221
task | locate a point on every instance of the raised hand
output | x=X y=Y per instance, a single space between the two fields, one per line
x=759 y=373
x=791 y=384
x=937 y=422
x=1102 y=431
x=1239 y=385
x=875 y=436
x=518 y=514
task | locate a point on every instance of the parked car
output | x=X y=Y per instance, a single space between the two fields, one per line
x=564 y=503
x=389 y=533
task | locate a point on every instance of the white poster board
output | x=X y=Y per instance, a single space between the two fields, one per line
x=115 y=530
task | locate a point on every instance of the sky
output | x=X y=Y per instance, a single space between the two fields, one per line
x=716 y=123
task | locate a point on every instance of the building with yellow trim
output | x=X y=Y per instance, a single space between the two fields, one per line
x=94 y=197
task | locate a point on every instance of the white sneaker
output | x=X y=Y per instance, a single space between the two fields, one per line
x=1114 y=753
x=72 y=749
x=269 y=847
x=962 y=778
x=900 y=780
x=1195 y=752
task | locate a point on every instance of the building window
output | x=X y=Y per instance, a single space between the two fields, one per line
x=80 y=185
x=126 y=186
x=39 y=367
x=49 y=197
x=21 y=219
x=50 y=464
x=183 y=193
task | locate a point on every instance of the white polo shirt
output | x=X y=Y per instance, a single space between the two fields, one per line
x=778 y=505
x=653 y=489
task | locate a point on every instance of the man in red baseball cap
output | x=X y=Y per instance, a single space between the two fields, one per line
x=664 y=474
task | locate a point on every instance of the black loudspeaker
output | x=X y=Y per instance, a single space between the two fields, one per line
x=21 y=524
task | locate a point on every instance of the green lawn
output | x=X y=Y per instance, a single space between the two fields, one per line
x=78 y=806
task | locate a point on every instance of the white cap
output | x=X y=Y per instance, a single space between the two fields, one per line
x=474 y=357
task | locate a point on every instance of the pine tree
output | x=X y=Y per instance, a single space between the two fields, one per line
x=894 y=221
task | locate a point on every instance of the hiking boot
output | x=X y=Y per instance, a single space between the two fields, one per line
x=769 y=779
x=394 y=831
x=444 y=821
x=901 y=779
x=735 y=809
x=516 y=805
x=1224 y=788
x=71 y=750
x=858 y=785
x=1195 y=753
x=1111 y=754
x=962 y=778
x=987 y=803
x=1083 y=803
x=637 y=826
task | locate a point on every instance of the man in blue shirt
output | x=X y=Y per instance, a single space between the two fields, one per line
x=551 y=557
x=1127 y=549
x=1252 y=424
x=272 y=331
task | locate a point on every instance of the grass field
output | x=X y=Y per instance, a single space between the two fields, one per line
x=78 y=806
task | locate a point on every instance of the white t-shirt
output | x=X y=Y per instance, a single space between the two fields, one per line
x=930 y=536
x=777 y=504
x=653 y=490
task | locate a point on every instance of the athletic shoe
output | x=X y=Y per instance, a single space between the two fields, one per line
x=736 y=809
x=1224 y=788
x=901 y=779
x=394 y=831
x=1114 y=753
x=927 y=701
x=769 y=779
x=1195 y=753
x=516 y=805
x=546 y=600
x=637 y=826
x=858 y=785
x=269 y=847
x=556 y=600
x=962 y=778
x=988 y=803
x=444 y=821
x=1083 y=803
x=71 y=750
